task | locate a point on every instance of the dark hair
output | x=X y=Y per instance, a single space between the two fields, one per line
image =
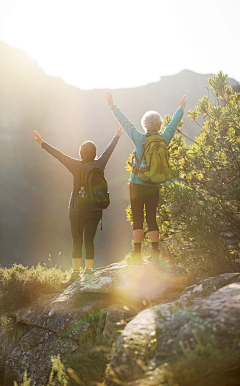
x=88 y=151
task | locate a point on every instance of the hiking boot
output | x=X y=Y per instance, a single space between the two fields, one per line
x=135 y=258
x=88 y=272
x=154 y=258
x=74 y=276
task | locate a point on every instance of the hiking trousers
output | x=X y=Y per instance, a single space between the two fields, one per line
x=83 y=224
x=141 y=195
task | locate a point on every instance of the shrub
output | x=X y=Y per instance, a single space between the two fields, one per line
x=19 y=285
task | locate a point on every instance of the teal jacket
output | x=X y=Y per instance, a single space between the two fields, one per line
x=139 y=139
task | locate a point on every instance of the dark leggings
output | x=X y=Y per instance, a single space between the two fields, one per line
x=83 y=223
x=141 y=195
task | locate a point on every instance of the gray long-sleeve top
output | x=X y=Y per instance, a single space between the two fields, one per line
x=75 y=166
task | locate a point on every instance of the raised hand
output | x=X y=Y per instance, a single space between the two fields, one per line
x=109 y=98
x=120 y=130
x=183 y=101
x=38 y=137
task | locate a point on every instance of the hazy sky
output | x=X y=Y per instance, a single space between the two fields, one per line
x=127 y=43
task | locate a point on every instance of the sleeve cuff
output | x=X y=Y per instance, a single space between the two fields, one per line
x=44 y=145
x=114 y=108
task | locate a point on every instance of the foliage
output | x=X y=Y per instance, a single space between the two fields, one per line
x=58 y=376
x=199 y=206
x=208 y=362
x=19 y=286
x=26 y=381
x=195 y=361
x=88 y=362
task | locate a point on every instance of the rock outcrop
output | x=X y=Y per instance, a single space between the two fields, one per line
x=90 y=314
x=151 y=329
x=192 y=341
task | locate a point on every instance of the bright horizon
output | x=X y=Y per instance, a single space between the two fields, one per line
x=125 y=44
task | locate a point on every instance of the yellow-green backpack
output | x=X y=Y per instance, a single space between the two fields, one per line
x=154 y=166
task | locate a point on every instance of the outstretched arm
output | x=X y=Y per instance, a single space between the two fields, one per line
x=135 y=135
x=172 y=126
x=102 y=161
x=69 y=162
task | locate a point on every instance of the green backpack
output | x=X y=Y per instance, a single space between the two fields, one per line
x=94 y=189
x=154 y=165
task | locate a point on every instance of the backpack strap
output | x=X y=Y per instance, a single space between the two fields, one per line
x=145 y=149
x=147 y=135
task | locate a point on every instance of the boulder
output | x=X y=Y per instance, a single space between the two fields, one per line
x=133 y=283
x=33 y=354
x=209 y=285
x=117 y=283
x=117 y=317
x=56 y=313
x=58 y=325
x=184 y=345
x=91 y=313
x=192 y=340
x=10 y=335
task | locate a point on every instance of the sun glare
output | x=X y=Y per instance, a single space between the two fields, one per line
x=111 y=44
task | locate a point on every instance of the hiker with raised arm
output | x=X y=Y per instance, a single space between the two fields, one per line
x=89 y=196
x=150 y=168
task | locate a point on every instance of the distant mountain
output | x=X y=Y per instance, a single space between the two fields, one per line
x=35 y=188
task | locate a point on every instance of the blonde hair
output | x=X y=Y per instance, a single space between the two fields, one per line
x=152 y=121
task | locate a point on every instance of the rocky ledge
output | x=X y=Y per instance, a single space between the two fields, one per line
x=140 y=320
